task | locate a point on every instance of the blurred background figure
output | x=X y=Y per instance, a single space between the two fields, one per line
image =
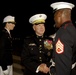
x=6 y=59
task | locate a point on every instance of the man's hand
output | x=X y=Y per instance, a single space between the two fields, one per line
x=43 y=68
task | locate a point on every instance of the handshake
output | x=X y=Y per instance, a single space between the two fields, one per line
x=51 y=70
x=43 y=68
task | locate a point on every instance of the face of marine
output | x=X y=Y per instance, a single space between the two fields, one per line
x=39 y=29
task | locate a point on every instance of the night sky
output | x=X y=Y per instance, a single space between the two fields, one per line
x=23 y=10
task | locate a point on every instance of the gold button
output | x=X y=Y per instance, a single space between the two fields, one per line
x=39 y=39
x=40 y=46
x=40 y=51
x=40 y=58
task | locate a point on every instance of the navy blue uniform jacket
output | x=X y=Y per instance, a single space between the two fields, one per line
x=34 y=53
x=65 y=48
x=5 y=49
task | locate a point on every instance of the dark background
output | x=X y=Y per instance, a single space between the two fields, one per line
x=23 y=10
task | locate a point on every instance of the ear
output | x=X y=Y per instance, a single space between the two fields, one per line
x=33 y=27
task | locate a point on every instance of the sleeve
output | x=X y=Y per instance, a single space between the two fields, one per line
x=63 y=54
x=3 y=63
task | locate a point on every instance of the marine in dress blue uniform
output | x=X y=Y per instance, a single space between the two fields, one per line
x=37 y=49
x=65 y=40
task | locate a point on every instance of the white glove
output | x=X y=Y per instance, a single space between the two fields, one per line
x=5 y=72
x=53 y=63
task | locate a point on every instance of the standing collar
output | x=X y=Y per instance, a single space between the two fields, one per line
x=66 y=23
x=39 y=36
x=7 y=30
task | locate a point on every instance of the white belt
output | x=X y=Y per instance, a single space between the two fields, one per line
x=73 y=65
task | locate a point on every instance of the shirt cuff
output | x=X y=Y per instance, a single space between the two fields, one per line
x=37 y=70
